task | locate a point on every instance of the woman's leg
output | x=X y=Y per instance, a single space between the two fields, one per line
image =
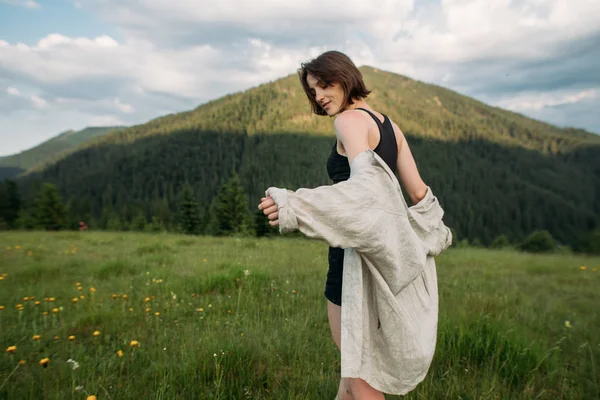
x=334 y=312
x=361 y=390
x=350 y=388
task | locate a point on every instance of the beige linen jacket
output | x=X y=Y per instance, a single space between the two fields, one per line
x=389 y=291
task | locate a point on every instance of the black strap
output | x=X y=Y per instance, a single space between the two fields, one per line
x=374 y=116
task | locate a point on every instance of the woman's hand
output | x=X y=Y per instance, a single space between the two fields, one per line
x=270 y=209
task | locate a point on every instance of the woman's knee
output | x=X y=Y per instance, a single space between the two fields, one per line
x=361 y=389
x=334 y=313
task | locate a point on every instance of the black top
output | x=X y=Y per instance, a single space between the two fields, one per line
x=338 y=166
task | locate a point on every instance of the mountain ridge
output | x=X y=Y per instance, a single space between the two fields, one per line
x=421 y=109
x=495 y=171
x=52 y=149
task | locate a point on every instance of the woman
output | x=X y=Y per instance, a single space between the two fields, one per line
x=335 y=87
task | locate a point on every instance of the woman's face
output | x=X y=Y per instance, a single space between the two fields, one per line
x=330 y=97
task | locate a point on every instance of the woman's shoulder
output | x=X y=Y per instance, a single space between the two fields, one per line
x=349 y=118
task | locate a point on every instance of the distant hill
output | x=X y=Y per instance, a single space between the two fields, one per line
x=51 y=148
x=418 y=108
x=9 y=172
x=495 y=171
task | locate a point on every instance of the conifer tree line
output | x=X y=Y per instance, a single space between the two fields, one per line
x=201 y=182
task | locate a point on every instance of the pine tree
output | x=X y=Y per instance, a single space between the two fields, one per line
x=538 y=242
x=261 y=222
x=10 y=203
x=189 y=215
x=113 y=222
x=50 y=212
x=229 y=210
x=139 y=222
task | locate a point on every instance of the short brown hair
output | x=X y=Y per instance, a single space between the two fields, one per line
x=333 y=67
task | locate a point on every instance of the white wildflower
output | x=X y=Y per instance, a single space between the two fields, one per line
x=74 y=364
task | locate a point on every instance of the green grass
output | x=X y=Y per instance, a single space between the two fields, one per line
x=246 y=319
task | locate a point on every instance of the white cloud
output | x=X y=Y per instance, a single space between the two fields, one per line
x=105 y=120
x=22 y=3
x=57 y=59
x=123 y=107
x=526 y=56
x=13 y=91
x=264 y=12
x=38 y=102
x=538 y=101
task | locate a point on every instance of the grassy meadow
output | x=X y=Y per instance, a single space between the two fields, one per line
x=165 y=316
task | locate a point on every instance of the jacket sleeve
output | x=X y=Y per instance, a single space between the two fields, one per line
x=338 y=214
x=426 y=220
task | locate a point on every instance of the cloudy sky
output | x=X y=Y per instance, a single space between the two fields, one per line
x=67 y=64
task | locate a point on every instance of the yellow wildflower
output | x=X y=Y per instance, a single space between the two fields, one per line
x=583 y=268
x=1 y=278
x=45 y=313
x=37 y=303
x=25 y=298
x=97 y=333
x=92 y=290
x=124 y=296
x=19 y=305
x=79 y=288
x=147 y=299
x=11 y=349
x=44 y=362
x=91 y=397
x=75 y=300
x=130 y=308
x=18 y=247
x=22 y=362
x=568 y=324
x=36 y=337
x=55 y=338
x=134 y=343
x=51 y=299
x=55 y=310
x=157 y=313
x=77 y=283
x=120 y=353
x=147 y=310
x=1 y=308
x=82 y=297
x=72 y=337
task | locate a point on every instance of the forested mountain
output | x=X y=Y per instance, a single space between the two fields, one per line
x=418 y=108
x=45 y=152
x=495 y=172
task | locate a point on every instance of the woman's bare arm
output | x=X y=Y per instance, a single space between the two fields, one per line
x=407 y=169
x=352 y=130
